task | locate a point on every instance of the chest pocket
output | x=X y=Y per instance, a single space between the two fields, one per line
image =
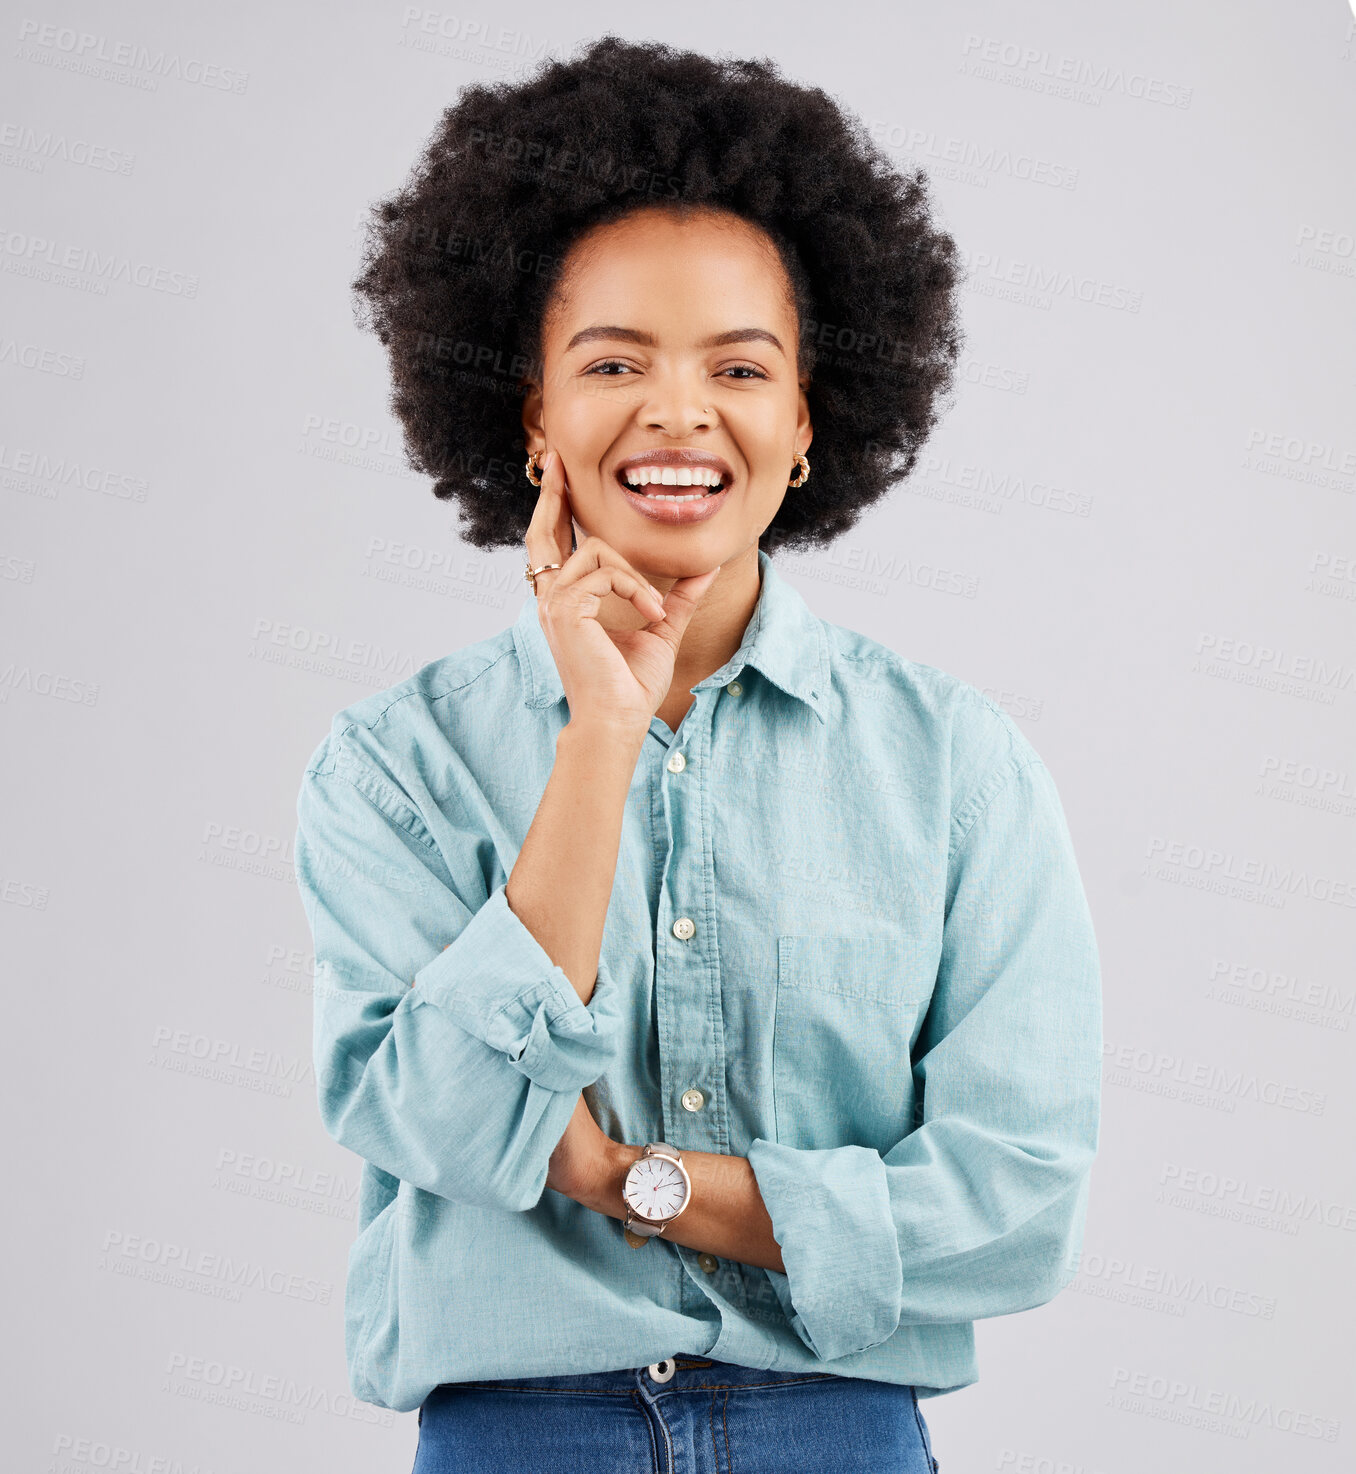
x=845 y=1017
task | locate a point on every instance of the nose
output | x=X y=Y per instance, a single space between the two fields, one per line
x=677 y=405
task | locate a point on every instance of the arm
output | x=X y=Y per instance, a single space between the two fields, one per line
x=562 y=881
x=978 y=1210
x=727 y=1217
x=450 y=1047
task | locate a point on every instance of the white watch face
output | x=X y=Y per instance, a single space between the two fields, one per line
x=655 y=1188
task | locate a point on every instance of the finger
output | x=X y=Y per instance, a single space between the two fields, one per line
x=550 y=532
x=594 y=553
x=555 y=469
x=609 y=578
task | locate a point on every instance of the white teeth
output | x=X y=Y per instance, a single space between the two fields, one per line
x=640 y=476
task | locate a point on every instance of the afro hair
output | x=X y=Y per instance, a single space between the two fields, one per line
x=459 y=264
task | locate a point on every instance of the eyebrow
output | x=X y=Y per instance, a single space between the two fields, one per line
x=648 y=340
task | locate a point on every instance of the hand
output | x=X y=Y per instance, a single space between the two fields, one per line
x=614 y=677
x=581 y=1156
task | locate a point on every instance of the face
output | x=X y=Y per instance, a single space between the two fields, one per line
x=672 y=333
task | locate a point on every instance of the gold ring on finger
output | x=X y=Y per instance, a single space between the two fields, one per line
x=531 y=574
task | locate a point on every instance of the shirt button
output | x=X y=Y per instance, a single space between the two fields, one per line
x=693 y=1100
x=684 y=927
x=708 y=1262
x=734 y=688
x=676 y=763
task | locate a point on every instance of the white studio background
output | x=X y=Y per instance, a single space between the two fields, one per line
x=1134 y=530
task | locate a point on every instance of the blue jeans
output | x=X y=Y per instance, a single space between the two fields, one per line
x=683 y=1415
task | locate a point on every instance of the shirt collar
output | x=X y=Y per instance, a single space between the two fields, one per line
x=784 y=640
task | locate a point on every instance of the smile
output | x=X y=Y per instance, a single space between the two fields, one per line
x=675 y=503
x=676 y=485
x=653 y=481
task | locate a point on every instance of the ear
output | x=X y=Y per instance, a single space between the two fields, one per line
x=805 y=432
x=532 y=415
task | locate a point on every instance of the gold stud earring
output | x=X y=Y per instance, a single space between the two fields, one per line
x=804 y=476
x=533 y=466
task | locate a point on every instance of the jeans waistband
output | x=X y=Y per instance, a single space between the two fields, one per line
x=688 y=1372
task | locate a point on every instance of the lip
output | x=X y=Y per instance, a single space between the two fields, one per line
x=676 y=513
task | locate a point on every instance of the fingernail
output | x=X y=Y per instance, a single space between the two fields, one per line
x=659 y=598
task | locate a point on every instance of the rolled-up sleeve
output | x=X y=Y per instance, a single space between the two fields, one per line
x=980 y=1210
x=449 y=1048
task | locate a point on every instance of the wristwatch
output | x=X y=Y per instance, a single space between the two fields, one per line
x=656 y=1190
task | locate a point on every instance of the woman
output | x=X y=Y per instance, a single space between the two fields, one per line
x=675 y=918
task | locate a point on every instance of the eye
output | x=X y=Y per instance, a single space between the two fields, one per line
x=744 y=370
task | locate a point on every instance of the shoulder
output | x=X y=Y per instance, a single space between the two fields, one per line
x=390 y=737
x=964 y=738
x=950 y=707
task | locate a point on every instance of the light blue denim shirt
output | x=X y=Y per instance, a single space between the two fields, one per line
x=889 y=1001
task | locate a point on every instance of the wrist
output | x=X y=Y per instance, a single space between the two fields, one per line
x=605 y=1193
x=596 y=734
